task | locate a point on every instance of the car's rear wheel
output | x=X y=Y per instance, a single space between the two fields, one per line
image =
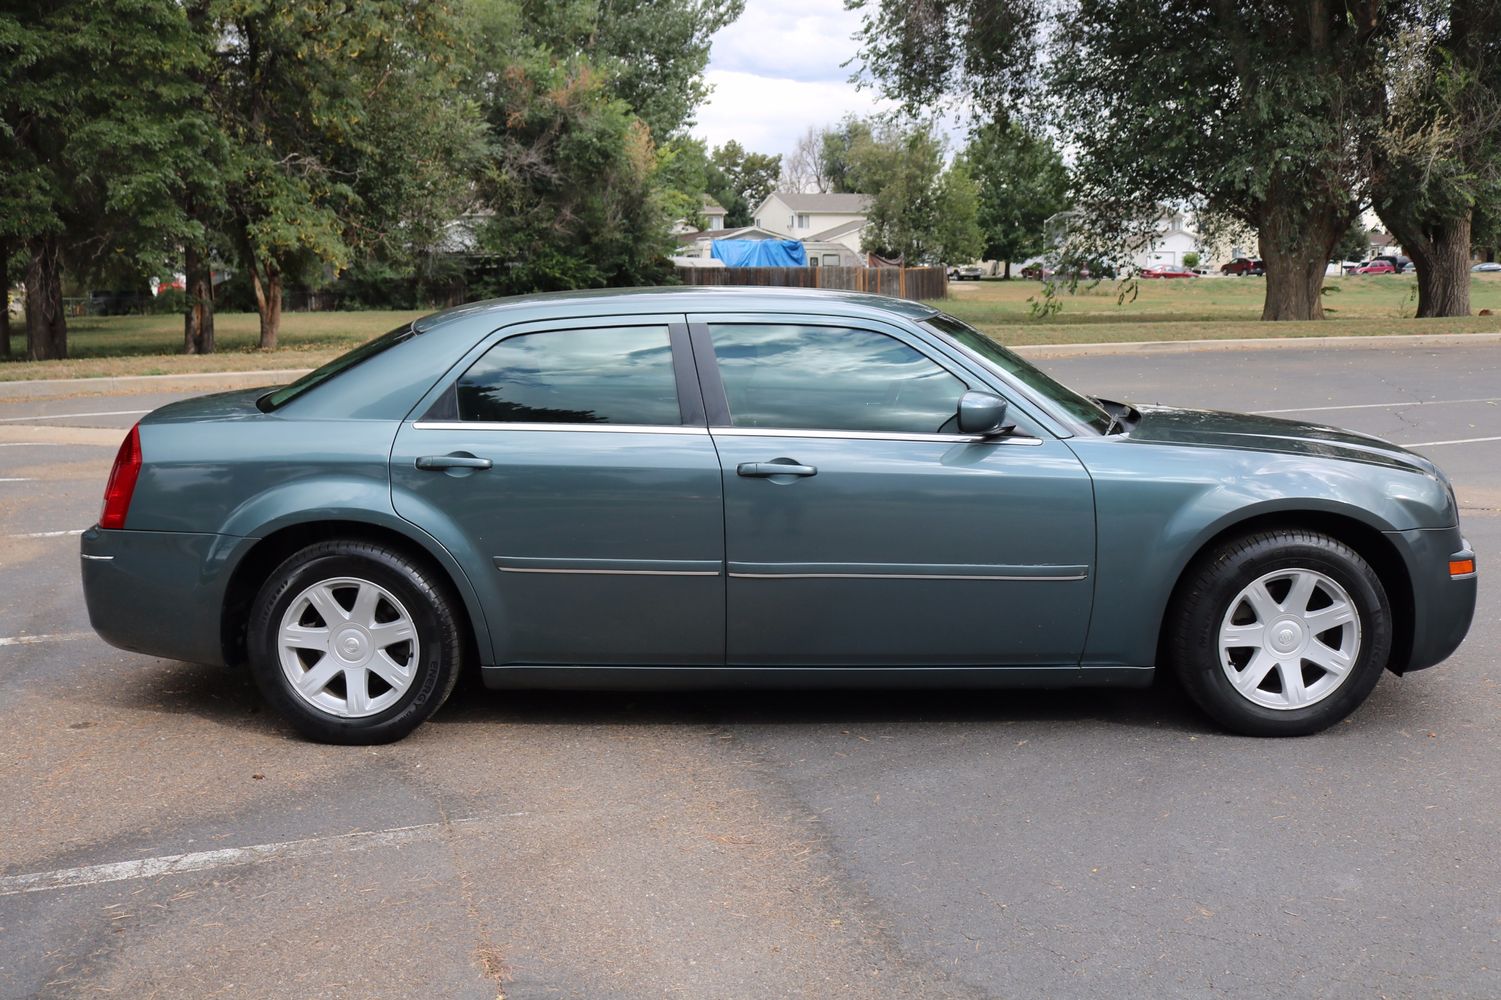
x=354 y=642
x=1281 y=633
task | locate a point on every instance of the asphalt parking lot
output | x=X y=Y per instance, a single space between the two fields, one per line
x=162 y=836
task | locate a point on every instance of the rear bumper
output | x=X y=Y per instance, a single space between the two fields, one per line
x=1443 y=605
x=159 y=592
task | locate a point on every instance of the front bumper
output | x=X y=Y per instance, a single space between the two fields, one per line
x=1443 y=605
x=159 y=592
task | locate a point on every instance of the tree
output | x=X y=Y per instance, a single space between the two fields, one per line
x=1354 y=245
x=1262 y=113
x=92 y=157
x=1438 y=157
x=653 y=52
x=956 y=235
x=1022 y=183
x=344 y=132
x=919 y=211
x=803 y=169
x=4 y=297
x=740 y=180
x=838 y=142
x=572 y=185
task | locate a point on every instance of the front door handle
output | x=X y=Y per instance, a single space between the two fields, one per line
x=442 y=463
x=766 y=470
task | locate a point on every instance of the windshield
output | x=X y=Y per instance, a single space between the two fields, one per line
x=1081 y=408
x=344 y=362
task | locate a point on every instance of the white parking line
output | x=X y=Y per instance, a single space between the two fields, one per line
x=48 y=534
x=14 y=479
x=1435 y=444
x=67 y=416
x=176 y=864
x=28 y=640
x=22 y=444
x=1382 y=406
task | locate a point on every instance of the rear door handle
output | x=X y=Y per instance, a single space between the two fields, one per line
x=765 y=470
x=442 y=463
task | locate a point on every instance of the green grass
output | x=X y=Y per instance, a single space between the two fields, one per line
x=1198 y=309
x=1206 y=309
x=101 y=346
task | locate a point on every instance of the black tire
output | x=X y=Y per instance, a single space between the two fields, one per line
x=423 y=594
x=1204 y=599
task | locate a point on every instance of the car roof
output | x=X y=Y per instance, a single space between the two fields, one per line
x=685 y=298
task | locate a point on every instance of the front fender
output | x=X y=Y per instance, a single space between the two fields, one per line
x=1157 y=507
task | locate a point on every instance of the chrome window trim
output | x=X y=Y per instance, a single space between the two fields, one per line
x=487 y=425
x=1010 y=439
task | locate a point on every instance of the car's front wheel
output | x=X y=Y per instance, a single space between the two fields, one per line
x=1281 y=633
x=354 y=642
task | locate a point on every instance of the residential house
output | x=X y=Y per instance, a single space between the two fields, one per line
x=713 y=214
x=1174 y=235
x=832 y=248
x=693 y=244
x=799 y=216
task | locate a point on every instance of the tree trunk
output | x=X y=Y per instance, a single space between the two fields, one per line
x=46 y=326
x=1441 y=253
x=1295 y=249
x=198 y=321
x=267 y=302
x=1007 y=275
x=5 y=299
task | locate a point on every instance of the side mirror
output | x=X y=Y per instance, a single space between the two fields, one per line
x=981 y=413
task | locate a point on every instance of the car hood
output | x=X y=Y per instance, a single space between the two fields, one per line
x=1253 y=432
x=233 y=405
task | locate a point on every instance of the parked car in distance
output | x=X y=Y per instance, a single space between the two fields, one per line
x=735 y=487
x=1243 y=267
x=1376 y=267
x=1168 y=271
x=1486 y=267
x=966 y=272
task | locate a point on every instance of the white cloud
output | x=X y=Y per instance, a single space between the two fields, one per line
x=786 y=65
x=768 y=114
x=805 y=40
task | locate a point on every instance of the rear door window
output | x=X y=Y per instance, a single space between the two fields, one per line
x=621 y=375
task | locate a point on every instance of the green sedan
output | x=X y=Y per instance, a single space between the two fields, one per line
x=722 y=487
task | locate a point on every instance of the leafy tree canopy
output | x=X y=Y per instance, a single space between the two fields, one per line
x=1022 y=183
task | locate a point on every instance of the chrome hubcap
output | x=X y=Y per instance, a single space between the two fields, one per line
x=1289 y=639
x=348 y=647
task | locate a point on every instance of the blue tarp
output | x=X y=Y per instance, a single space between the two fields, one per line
x=759 y=253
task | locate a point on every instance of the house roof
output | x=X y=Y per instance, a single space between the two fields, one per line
x=840 y=230
x=740 y=232
x=710 y=205
x=841 y=203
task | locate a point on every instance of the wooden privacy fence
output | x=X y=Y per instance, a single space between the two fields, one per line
x=902 y=282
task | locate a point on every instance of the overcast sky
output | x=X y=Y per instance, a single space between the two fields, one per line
x=778 y=70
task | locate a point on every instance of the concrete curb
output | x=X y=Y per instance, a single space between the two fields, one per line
x=1385 y=340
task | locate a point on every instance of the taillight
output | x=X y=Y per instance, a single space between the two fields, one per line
x=122 y=480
